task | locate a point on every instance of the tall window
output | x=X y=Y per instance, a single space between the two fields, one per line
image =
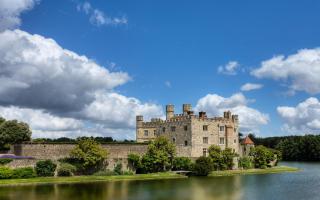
x=205 y=140
x=205 y=127
x=145 y=132
x=155 y=132
x=221 y=141
x=163 y=129
x=186 y=143
x=204 y=152
x=221 y=128
x=174 y=140
x=173 y=128
x=185 y=128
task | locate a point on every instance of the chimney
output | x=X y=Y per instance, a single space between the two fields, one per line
x=186 y=108
x=202 y=115
x=169 y=111
x=227 y=114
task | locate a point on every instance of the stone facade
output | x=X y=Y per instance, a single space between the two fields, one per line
x=194 y=132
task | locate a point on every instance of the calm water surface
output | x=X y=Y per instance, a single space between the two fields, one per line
x=300 y=185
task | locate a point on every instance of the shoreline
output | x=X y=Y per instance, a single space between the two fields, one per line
x=88 y=179
x=273 y=170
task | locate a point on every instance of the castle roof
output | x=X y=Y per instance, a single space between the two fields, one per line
x=247 y=140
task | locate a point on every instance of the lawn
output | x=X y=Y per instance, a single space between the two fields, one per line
x=81 y=179
x=278 y=169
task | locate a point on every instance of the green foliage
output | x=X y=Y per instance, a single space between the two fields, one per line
x=5 y=173
x=118 y=169
x=4 y=161
x=134 y=161
x=104 y=173
x=24 y=172
x=45 y=168
x=203 y=166
x=89 y=155
x=246 y=162
x=182 y=163
x=13 y=132
x=129 y=172
x=221 y=159
x=8 y=173
x=66 y=169
x=159 y=156
x=262 y=156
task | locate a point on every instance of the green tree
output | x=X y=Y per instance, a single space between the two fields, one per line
x=13 y=132
x=159 y=156
x=262 y=156
x=45 y=168
x=182 y=163
x=221 y=159
x=134 y=161
x=203 y=166
x=89 y=155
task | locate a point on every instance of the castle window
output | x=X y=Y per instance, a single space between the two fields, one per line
x=204 y=150
x=205 y=127
x=174 y=140
x=221 y=128
x=235 y=141
x=145 y=132
x=163 y=129
x=205 y=140
x=185 y=128
x=186 y=143
x=173 y=128
x=221 y=141
x=235 y=130
x=155 y=132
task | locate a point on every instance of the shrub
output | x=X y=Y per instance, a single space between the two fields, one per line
x=118 y=169
x=5 y=173
x=89 y=155
x=203 y=166
x=129 y=172
x=66 y=169
x=245 y=162
x=45 y=168
x=4 y=161
x=134 y=161
x=24 y=172
x=105 y=173
x=262 y=156
x=182 y=163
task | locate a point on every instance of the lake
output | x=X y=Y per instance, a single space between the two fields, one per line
x=299 y=185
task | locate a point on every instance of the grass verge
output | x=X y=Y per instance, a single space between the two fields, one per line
x=85 y=179
x=273 y=170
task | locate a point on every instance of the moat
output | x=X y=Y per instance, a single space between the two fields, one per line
x=304 y=184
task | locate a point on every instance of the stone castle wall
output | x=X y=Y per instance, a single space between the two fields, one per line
x=118 y=153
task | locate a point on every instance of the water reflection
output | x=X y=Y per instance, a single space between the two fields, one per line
x=302 y=185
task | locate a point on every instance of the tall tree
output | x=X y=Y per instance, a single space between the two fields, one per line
x=13 y=132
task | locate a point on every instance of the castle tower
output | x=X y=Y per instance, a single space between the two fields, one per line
x=139 y=121
x=169 y=111
x=186 y=108
x=227 y=114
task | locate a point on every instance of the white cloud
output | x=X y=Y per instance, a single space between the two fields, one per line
x=303 y=118
x=251 y=86
x=229 y=69
x=250 y=118
x=300 y=70
x=168 y=84
x=10 y=11
x=42 y=80
x=98 y=17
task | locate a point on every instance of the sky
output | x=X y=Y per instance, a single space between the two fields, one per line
x=72 y=68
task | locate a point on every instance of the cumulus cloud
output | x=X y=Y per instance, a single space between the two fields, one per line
x=229 y=69
x=251 y=86
x=300 y=70
x=40 y=79
x=303 y=118
x=250 y=118
x=168 y=84
x=98 y=17
x=10 y=11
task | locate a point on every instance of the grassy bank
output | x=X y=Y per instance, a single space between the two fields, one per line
x=83 y=179
x=278 y=169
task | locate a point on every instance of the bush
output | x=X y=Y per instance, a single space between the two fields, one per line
x=66 y=169
x=134 y=161
x=4 y=161
x=129 y=172
x=245 y=162
x=118 y=169
x=45 y=168
x=5 y=173
x=105 y=173
x=24 y=172
x=203 y=166
x=182 y=163
x=262 y=156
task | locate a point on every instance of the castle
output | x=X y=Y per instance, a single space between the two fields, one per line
x=191 y=132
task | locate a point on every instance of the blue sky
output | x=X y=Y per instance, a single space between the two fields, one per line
x=172 y=51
